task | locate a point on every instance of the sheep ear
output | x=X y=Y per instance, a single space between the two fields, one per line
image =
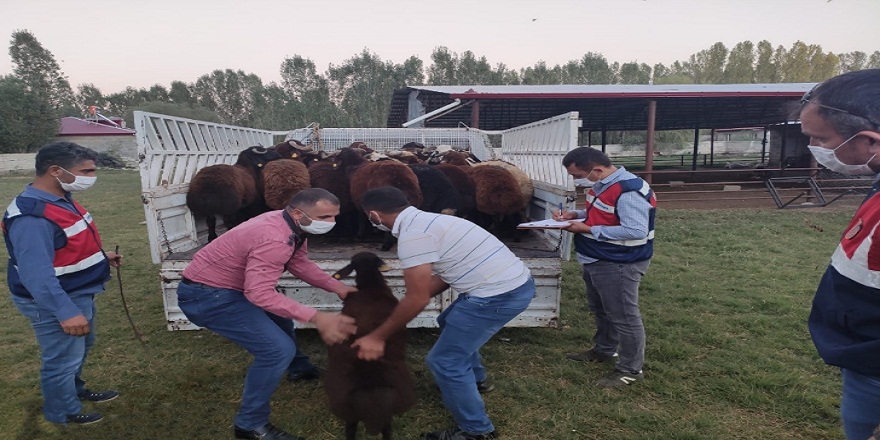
x=344 y=272
x=384 y=268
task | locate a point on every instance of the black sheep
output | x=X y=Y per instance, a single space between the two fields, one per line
x=361 y=391
x=331 y=174
x=438 y=193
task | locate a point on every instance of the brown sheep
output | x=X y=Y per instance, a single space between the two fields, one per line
x=384 y=173
x=370 y=175
x=282 y=179
x=231 y=191
x=361 y=391
x=455 y=158
x=404 y=156
x=525 y=182
x=499 y=201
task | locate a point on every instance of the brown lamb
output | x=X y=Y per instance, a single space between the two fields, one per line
x=369 y=392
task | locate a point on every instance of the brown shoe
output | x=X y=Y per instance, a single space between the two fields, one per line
x=590 y=356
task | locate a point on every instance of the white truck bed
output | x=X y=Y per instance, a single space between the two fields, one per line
x=172 y=149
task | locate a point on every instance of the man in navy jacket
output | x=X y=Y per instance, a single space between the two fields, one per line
x=56 y=267
x=842 y=118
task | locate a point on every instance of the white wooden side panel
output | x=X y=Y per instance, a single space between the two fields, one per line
x=538 y=148
x=542 y=312
x=171 y=151
x=546 y=198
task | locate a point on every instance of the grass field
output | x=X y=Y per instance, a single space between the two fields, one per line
x=728 y=356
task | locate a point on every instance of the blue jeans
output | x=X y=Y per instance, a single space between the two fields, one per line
x=61 y=355
x=301 y=362
x=228 y=313
x=860 y=405
x=613 y=299
x=466 y=325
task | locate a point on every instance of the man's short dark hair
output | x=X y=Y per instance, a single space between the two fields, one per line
x=310 y=197
x=850 y=102
x=585 y=158
x=386 y=199
x=63 y=154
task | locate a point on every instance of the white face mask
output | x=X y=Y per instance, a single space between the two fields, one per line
x=378 y=224
x=586 y=182
x=80 y=183
x=316 y=227
x=828 y=159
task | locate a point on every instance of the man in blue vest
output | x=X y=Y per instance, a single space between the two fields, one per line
x=614 y=240
x=56 y=267
x=841 y=116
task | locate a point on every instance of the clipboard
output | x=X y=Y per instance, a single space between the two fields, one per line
x=543 y=224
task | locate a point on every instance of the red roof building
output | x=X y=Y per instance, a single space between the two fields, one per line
x=102 y=134
x=71 y=126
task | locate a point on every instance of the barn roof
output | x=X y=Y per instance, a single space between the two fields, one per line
x=610 y=107
x=71 y=126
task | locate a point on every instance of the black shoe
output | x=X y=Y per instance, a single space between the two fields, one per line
x=97 y=396
x=485 y=386
x=312 y=374
x=266 y=432
x=84 y=418
x=458 y=434
x=590 y=356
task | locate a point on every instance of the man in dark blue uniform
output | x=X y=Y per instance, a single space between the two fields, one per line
x=842 y=118
x=56 y=267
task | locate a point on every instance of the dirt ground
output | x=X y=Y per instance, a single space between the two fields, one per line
x=747 y=200
x=746 y=197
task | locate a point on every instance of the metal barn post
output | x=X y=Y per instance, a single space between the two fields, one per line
x=649 y=147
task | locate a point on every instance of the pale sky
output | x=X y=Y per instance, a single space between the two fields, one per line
x=114 y=44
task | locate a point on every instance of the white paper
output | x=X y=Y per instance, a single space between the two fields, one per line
x=544 y=224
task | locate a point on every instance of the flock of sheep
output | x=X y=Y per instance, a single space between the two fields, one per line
x=492 y=194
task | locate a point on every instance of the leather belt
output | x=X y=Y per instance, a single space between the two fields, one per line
x=189 y=282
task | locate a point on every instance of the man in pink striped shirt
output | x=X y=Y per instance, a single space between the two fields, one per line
x=229 y=288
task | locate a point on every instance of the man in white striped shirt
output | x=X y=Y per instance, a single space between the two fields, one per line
x=438 y=251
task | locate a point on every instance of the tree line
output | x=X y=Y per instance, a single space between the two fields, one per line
x=357 y=92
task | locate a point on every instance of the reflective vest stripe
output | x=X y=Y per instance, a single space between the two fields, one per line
x=595 y=202
x=85 y=263
x=855 y=268
x=12 y=210
x=628 y=243
x=78 y=227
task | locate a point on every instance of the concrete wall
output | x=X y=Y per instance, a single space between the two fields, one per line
x=17 y=162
